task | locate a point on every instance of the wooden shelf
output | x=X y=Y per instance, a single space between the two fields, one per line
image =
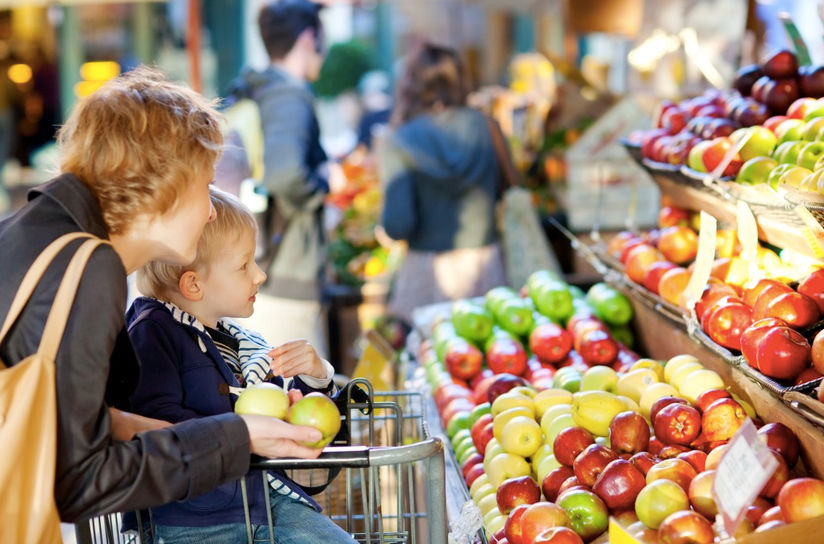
x=777 y=226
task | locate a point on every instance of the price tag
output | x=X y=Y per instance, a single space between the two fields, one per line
x=748 y=236
x=745 y=467
x=703 y=261
x=801 y=52
x=618 y=534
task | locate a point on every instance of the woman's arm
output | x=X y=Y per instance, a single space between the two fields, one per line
x=125 y=425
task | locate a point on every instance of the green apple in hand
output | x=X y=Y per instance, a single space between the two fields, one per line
x=760 y=142
x=756 y=170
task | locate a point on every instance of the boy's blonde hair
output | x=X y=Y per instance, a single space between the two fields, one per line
x=232 y=220
x=138 y=142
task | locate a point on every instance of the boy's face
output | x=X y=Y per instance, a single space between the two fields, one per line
x=232 y=281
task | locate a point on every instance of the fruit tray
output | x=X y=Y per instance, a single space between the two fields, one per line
x=633 y=149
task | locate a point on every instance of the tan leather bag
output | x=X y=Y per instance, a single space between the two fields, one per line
x=28 y=409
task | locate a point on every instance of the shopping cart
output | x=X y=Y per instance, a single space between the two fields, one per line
x=391 y=483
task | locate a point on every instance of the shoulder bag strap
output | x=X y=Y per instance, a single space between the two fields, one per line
x=508 y=176
x=62 y=305
x=32 y=278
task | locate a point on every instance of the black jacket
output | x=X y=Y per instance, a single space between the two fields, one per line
x=96 y=367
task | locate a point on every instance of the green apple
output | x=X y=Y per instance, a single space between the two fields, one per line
x=588 y=515
x=694 y=159
x=599 y=378
x=809 y=154
x=813 y=112
x=812 y=129
x=553 y=412
x=496 y=296
x=471 y=320
x=553 y=299
x=505 y=466
x=567 y=379
x=318 y=411
x=459 y=421
x=760 y=141
x=264 y=399
x=756 y=170
x=787 y=152
x=776 y=173
x=659 y=499
x=564 y=421
x=477 y=412
x=458 y=437
x=789 y=130
x=515 y=316
x=546 y=465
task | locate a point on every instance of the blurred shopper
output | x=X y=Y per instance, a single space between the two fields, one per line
x=296 y=172
x=442 y=183
x=136 y=159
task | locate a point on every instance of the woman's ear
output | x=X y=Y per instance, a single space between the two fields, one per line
x=189 y=285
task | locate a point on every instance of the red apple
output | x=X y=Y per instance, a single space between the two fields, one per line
x=782 y=63
x=772 y=514
x=808 y=374
x=597 y=347
x=615 y=245
x=643 y=461
x=697 y=458
x=631 y=245
x=481 y=387
x=714 y=154
x=447 y=392
x=757 y=509
x=569 y=443
x=817 y=351
x=550 y=343
x=678 y=244
x=516 y=491
x=714 y=291
x=751 y=291
x=670 y=216
x=539 y=517
x=506 y=356
x=552 y=482
x=796 y=309
x=783 y=353
x=558 y=535
x=659 y=404
x=677 y=424
x=471 y=461
x=722 y=419
x=671 y=451
x=753 y=334
x=478 y=432
x=591 y=462
x=474 y=472
x=765 y=297
x=628 y=433
x=686 y=527
x=708 y=397
x=813 y=287
x=781 y=439
x=774 y=121
x=802 y=498
x=779 y=477
x=654 y=273
x=726 y=322
x=462 y=359
x=571 y=483
x=677 y=470
x=639 y=259
x=512 y=526
x=700 y=494
x=618 y=484
x=502 y=384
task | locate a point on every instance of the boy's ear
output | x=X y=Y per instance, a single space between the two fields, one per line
x=189 y=286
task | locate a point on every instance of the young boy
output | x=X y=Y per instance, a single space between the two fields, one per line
x=190 y=352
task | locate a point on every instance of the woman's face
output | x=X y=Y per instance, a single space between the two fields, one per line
x=177 y=231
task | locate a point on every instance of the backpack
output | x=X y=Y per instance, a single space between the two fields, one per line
x=240 y=170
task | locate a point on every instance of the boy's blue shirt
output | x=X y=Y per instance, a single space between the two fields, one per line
x=181 y=372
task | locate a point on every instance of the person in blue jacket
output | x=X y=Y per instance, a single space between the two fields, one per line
x=191 y=351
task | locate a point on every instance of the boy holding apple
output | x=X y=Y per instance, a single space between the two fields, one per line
x=190 y=352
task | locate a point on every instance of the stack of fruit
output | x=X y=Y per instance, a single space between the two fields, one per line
x=642 y=444
x=354 y=252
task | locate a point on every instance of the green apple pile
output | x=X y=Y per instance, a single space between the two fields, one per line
x=641 y=444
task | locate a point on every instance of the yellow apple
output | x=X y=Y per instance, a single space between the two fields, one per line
x=522 y=436
x=483 y=491
x=653 y=393
x=538 y=456
x=526 y=390
x=745 y=405
x=547 y=465
x=493 y=448
x=632 y=384
x=678 y=377
x=511 y=400
x=651 y=364
x=599 y=378
x=557 y=425
x=493 y=525
x=476 y=485
x=551 y=413
x=487 y=503
x=264 y=399
x=503 y=418
x=594 y=410
x=699 y=381
x=675 y=363
x=507 y=465
x=551 y=397
x=630 y=404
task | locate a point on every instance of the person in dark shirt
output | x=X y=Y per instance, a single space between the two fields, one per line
x=190 y=347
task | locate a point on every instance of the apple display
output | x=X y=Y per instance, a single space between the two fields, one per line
x=591 y=462
x=463 y=360
x=722 y=419
x=551 y=484
x=708 y=397
x=550 y=343
x=506 y=355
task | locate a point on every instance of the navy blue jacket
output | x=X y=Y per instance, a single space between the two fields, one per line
x=181 y=371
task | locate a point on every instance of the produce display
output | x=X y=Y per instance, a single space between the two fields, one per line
x=556 y=425
x=775 y=108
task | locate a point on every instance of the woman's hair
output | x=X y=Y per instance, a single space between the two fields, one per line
x=137 y=142
x=232 y=221
x=433 y=76
x=281 y=22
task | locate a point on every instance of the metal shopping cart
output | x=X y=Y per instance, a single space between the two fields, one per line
x=391 y=483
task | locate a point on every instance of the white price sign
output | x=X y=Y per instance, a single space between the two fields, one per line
x=744 y=468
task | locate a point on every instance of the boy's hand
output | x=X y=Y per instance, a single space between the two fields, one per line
x=297 y=357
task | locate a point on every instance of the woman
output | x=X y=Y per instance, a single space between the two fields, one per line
x=442 y=182
x=137 y=157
